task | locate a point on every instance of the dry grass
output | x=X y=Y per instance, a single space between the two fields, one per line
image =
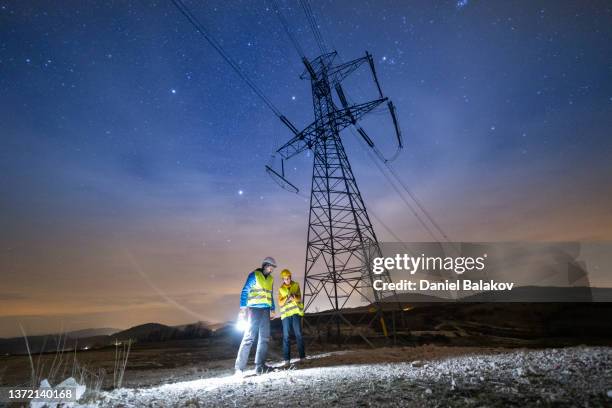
x=33 y=372
x=122 y=352
x=65 y=364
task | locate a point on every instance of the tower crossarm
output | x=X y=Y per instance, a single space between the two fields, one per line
x=339 y=119
x=339 y=72
x=302 y=141
x=350 y=115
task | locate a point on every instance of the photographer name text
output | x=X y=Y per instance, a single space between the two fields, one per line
x=424 y=284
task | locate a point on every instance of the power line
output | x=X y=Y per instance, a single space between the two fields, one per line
x=417 y=201
x=406 y=202
x=390 y=231
x=215 y=44
x=412 y=196
x=285 y=25
x=313 y=25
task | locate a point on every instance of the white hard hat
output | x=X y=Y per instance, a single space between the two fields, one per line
x=269 y=261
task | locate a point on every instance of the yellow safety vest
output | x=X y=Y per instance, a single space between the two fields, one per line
x=261 y=291
x=291 y=307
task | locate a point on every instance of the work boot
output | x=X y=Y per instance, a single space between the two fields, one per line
x=263 y=369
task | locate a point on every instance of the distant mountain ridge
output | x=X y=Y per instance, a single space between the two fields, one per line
x=103 y=331
x=102 y=337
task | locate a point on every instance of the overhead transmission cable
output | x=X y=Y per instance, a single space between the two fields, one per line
x=285 y=25
x=313 y=26
x=387 y=163
x=417 y=201
x=411 y=195
x=406 y=202
x=215 y=44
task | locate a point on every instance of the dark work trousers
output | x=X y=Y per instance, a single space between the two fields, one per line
x=294 y=322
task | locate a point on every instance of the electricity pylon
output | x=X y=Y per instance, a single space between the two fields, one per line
x=341 y=240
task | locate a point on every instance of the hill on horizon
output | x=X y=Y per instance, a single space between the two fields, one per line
x=102 y=331
x=103 y=337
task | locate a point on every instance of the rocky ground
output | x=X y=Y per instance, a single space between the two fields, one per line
x=573 y=376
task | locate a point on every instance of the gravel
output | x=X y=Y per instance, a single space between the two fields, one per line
x=576 y=376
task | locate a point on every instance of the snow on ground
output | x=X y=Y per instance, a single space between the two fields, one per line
x=577 y=376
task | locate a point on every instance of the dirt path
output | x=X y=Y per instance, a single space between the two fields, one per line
x=577 y=376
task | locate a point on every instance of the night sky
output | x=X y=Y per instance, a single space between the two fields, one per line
x=132 y=182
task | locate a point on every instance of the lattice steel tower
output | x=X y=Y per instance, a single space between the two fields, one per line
x=341 y=239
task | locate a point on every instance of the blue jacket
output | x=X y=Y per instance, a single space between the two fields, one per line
x=245 y=293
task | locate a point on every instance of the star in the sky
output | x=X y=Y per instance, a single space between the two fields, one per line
x=173 y=91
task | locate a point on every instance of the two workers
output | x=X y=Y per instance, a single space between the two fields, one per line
x=257 y=307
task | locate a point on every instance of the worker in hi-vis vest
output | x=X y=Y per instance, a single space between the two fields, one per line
x=257 y=307
x=292 y=310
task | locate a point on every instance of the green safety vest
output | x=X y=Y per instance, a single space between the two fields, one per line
x=261 y=291
x=291 y=307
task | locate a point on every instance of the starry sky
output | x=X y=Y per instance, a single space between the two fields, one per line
x=132 y=182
